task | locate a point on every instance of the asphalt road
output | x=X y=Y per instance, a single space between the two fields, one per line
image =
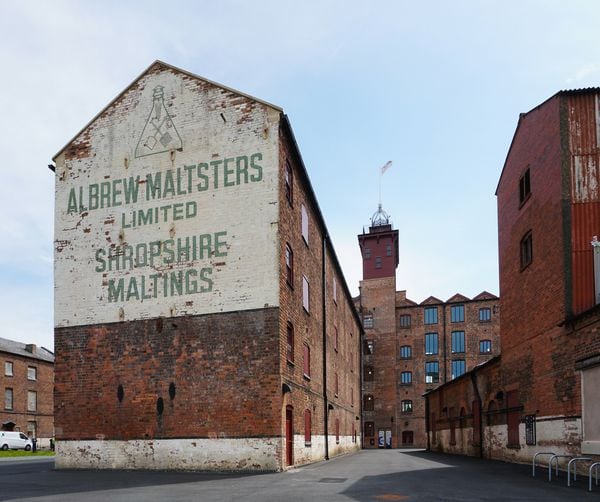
x=386 y=475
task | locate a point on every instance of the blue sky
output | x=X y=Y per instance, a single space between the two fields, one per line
x=435 y=86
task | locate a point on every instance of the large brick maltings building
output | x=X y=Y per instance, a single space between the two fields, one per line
x=202 y=319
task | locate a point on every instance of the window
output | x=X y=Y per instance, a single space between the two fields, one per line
x=407 y=437
x=378 y=262
x=405 y=321
x=304 y=214
x=31 y=373
x=368 y=320
x=335 y=290
x=306 y=367
x=485 y=346
x=367 y=253
x=430 y=315
x=458 y=368
x=337 y=431
x=406 y=377
x=289 y=265
x=305 y=294
x=31 y=400
x=289 y=183
x=388 y=250
x=457 y=313
x=368 y=403
x=524 y=187
x=369 y=373
x=405 y=352
x=369 y=429
x=432 y=372
x=458 y=342
x=431 y=343
x=290 y=343
x=369 y=346
x=335 y=338
x=526 y=250
x=406 y=406
x=485 y=314
x=336 y=383
x=8 y=399
x=307 y=428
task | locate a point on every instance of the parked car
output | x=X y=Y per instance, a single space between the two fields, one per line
x=14 y=441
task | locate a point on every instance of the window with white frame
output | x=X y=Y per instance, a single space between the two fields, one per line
x=8 y=368
x=31 y=373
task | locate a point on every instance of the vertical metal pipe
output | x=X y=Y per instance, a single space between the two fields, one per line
x=324 y=313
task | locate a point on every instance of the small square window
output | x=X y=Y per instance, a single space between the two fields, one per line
x=369 y=347
x=485 y=314
x=526 y=250
x=406 y=406
x=368 y=320
x=406 y=377
x=485 y=347
x=405 y=352
x=31 y=373
x=405 y=321
x=8 y=368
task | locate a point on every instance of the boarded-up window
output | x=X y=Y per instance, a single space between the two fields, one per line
x=304 y=213
x=8 y=399
x=31 y=400
x=307 y=428
x=513 y=418
x=305 y=294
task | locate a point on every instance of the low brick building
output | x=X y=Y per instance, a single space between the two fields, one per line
x=202 y=318
x=542 y=392
x=28 y=384
x=411 y=348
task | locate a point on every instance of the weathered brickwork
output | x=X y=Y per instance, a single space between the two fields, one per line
x=27 y=369
x=547 y=217
x=172 y=295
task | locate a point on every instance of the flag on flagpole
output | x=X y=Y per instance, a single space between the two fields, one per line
x=386 y=166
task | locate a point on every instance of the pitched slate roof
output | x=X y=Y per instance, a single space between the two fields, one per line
x=20 y=349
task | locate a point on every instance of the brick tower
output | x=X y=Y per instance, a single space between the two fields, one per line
x=379 y=250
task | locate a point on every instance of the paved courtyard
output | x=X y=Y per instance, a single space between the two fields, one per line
x=387 y=475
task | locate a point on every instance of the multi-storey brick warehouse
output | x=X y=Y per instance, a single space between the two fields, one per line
x=202 y=319
x=28 y=383
x=411 y=348
x=542 y=393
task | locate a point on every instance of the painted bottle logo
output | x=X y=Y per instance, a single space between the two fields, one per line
x=159 y=134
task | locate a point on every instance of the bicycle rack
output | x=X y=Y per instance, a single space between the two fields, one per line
x=574 y=462
x=595 y=466
x=552 y=458
x=536 y=455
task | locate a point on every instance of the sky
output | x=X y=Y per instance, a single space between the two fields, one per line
x=434 y=86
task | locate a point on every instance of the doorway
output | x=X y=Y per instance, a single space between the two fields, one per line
x=289 y=435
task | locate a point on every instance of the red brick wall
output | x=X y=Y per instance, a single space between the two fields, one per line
x=223 y=366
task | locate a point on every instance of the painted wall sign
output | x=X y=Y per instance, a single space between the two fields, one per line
x=171 y=207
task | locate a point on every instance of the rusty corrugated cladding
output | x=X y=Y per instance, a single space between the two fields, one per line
x=584 y=142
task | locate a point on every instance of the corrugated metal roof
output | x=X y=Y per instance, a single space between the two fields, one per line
x=20 y=349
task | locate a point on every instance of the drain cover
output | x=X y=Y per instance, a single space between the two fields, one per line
x=332 y=480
